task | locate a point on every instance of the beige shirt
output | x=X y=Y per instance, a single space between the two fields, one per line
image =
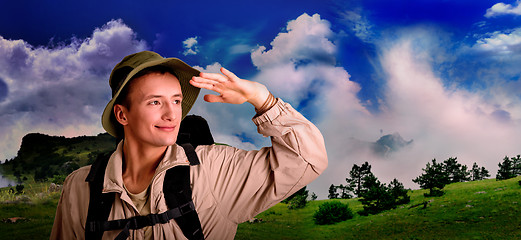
x=142 y=202
x=229 y=187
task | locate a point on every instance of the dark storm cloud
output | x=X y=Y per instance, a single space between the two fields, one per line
x=60 y=90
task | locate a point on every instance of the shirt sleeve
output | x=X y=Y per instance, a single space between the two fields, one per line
x=71 y=212
x=245 y=183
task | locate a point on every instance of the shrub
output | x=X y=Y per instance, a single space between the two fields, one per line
x=434 y=193
x=58 y=179
x=20 y=189
x=297 y=202
x=314 y=196
x=332 y=212
x=298 y=199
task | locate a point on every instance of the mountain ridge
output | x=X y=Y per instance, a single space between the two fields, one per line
x=44 y=155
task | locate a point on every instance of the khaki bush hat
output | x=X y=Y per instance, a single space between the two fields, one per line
x=133 y=64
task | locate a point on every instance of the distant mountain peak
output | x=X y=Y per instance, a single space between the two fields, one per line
x=390 y=143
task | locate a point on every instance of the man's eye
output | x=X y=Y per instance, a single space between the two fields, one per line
x=154 y=103
x=177 y=101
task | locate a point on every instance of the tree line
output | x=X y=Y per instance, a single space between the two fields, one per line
x=46 y=157
x=376 y=196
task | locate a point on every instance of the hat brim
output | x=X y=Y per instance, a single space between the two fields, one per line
x=183 y=72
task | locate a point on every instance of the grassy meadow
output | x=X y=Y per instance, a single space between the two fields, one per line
x=35 y=208
x=487 y=209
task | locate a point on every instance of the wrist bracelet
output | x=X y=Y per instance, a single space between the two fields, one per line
x=268 y=104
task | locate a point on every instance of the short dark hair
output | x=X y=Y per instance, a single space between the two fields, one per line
x=123 y=98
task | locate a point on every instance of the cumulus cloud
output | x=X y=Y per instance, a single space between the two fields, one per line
x=504 y=9
x=301 y=68
x=60 y=90
x=306 y=39
x=190 y=46
x=302 y=63
x=502 y=43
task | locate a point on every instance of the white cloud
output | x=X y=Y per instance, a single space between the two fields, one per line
x=357 y=23
x=306 y=39
x=443 y=121
x=302 y=61
x=190 y=46
x=60 y=90
x=212 y=68
x=504 y=9
x=300 y=67
x=502 y=43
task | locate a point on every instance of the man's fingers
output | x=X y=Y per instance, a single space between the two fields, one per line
x=212 y=98
x=228 y=76
x=228 y=73
x=213 y=76
x=201 y=80
x=200 y=84
x=206 y=84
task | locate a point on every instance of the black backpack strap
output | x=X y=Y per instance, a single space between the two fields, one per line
x=100 y=203
x=190 y=154
x=178 y=192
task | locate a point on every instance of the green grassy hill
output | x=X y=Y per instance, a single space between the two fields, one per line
x=487 y=209
x=42 y=156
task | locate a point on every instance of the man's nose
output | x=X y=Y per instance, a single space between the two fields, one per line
x=169 y=111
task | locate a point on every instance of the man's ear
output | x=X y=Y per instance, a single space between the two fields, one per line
x=120 y=113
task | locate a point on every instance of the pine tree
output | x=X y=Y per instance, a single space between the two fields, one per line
x=475 y=172
x=398 y=192
x=455 y=171
x=505 y=170
x=332 y=192
x=379 y=197
x=376 y=197
x=344 y=192
x=356 y=180
x=314 y=196
x=484 y=173
x=478 y=173
x=434 y=178
x=516 y=165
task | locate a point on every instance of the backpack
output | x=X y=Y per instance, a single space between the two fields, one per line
x=193 y=131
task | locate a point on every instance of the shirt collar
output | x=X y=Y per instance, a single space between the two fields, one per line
x=113 y=181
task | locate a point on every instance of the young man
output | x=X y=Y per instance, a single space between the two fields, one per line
x=151 y=95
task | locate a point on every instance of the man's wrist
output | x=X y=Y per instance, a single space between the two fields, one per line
x=268 y=104
x=260 y=97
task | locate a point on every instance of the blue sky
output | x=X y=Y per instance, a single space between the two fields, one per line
x=444 y=74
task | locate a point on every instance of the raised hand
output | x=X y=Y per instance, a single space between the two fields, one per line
x=231 y=89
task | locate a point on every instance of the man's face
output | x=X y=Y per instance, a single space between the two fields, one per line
x=155 y=112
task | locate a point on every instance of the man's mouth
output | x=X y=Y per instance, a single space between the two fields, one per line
x=166 y=128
